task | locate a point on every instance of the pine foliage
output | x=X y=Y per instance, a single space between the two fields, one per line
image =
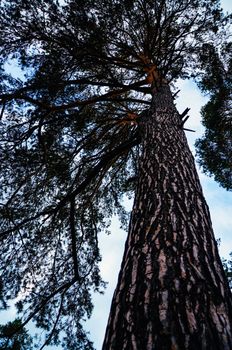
x=214 y=149
x=11 y=340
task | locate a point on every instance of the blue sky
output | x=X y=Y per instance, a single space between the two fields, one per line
x=112 y=246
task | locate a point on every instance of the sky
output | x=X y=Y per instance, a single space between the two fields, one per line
x=112 y=246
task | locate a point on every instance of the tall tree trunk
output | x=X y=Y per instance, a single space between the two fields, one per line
x=172 y=292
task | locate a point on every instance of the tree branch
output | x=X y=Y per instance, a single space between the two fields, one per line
x=73 y=238
x=109 y=96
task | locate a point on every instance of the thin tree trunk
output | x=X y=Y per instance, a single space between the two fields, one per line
x=172 y=292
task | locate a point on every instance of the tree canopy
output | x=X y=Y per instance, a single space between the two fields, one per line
x=69 y=135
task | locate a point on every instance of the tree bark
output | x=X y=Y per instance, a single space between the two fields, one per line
x=172 y=292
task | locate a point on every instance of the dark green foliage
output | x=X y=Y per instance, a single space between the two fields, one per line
x=227 y=264
x=69 y=137
x=214 y=149
x=9 y=340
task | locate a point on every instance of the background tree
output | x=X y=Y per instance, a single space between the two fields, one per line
x=227 y=264
x=214 y=149
x=72 y=133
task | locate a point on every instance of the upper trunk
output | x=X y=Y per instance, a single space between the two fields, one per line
x=172 y=292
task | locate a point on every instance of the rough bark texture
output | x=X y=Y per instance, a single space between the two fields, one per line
x=172 y=292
